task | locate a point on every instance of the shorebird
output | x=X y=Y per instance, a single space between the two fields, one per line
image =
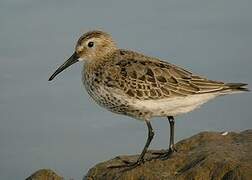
x=136 y=85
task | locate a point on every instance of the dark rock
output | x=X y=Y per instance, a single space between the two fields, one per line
x=44 y=174
x=206 y=156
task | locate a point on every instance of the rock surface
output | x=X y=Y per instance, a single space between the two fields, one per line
x=44 y=174
x=207 y=155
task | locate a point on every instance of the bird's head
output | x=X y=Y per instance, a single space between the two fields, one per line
x=91 y=46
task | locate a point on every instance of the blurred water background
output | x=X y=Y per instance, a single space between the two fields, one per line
x=56 y=125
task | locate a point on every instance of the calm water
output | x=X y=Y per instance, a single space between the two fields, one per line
x=56 y=125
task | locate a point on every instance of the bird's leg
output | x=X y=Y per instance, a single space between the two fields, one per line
x=172 y=124
x=166 y=154
x=140 y=160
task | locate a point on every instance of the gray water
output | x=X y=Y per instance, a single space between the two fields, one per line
x=56 y=125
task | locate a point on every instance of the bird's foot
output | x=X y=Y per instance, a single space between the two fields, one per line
x=128 y=165
x=165 y=154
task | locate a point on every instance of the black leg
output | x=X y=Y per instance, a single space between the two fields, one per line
x=172 y=123
x=166 y=154
x=140 y=160
x=150 y=137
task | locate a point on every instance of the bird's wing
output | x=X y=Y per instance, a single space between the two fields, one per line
x=145 y=78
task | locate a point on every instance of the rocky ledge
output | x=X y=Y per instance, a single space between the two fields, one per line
x=44 y=174
x=207 y=155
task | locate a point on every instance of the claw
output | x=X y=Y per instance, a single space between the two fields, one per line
x=174 y=149
x=159 y=152
x=165 y=154
x=128 y=165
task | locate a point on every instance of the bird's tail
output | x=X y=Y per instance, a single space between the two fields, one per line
x=234 y=87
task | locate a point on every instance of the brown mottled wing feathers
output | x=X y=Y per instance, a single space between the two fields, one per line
x=148 y=78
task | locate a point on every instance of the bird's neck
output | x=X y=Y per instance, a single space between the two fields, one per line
x=99 y=62
x=101 y=59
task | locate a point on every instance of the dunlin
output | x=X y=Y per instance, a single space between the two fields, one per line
x=130 y=83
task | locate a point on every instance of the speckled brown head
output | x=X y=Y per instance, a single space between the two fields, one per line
x=94 y=45
x=91 y=46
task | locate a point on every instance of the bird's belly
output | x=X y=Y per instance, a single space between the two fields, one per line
x=173 y=106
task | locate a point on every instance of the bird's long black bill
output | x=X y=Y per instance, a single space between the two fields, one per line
x=73 y=59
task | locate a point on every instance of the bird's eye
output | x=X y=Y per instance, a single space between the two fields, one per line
x=90 y=44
